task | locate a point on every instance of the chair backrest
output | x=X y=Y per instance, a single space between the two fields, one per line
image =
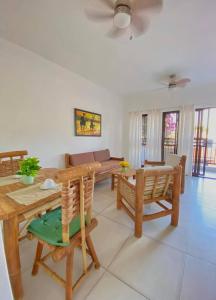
x=9 y=162
x=175 y=160
x=77 y=195
x=155 y=184
x=152 y=184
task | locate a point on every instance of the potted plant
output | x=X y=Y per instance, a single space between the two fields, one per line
x=124 y=166
x=29 y=168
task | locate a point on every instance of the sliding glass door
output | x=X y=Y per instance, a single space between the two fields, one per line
x=200 y=142
x=204 y=151
x=144 y=138
x=170 y=128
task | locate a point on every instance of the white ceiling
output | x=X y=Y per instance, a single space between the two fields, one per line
x=180 y=39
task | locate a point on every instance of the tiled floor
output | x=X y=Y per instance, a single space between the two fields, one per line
x=167 y=263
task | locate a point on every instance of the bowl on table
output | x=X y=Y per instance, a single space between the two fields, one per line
x=48 y=184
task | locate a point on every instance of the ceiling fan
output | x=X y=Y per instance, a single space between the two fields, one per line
x=126 y=15
x=174 y=82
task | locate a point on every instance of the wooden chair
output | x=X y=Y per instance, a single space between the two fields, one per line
x=9 y=162
x=150 y=186
x=71 y=224
x=172 y=160
x=42 y=175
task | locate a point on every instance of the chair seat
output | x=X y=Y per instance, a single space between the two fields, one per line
x=49 y=227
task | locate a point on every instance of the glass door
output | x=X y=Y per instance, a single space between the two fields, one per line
x=204 y=152
x=144 y=138
x=200 y=142
x=170 y=129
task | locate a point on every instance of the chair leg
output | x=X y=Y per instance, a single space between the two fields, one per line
x=119 y=199
x=175 y=214
x=138 y=220
x=92 y=252
x=69 y=273
x=138 y=226
x=113 y=182
x=37 y=258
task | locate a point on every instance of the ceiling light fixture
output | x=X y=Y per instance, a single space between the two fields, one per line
x=122 y=18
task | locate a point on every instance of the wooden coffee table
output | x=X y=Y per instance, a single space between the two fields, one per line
x=118 y=172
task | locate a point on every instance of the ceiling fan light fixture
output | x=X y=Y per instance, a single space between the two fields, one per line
x=122 y=18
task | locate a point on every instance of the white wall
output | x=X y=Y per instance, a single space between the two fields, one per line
x=202 y=96
x=37 y=98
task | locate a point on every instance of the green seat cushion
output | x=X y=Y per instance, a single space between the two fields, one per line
x=49 y=227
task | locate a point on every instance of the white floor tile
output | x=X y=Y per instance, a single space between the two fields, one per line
x=101 y=201
x=153 y=269
x=118 y=215
x=40 y=287
x=202 y=244
x=109 y=287
x=44 y=287
x=199 y=280
x=161 y=230
x=108 y=238
x=27 y=253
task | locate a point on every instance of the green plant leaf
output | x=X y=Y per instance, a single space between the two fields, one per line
x=30 y=166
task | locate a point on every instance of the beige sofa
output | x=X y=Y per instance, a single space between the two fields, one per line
x=107 y=162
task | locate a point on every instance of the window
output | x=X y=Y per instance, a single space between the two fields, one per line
x=144 y=129
x=170 y=129
x=144 y=138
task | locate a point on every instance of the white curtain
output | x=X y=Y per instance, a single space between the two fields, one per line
x=154 y=134
x=186 y=135
x=135 y=139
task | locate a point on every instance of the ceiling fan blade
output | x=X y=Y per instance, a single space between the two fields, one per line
x=116 y=32
x=158 y=89
x=151 y=5
x=183 y=82
x=164 y=83
x=139 y=25
x=108 y=3
x=97 y=15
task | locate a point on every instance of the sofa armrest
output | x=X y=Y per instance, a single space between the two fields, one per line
x=117 y=158
x=67 y=160
x=154 y=163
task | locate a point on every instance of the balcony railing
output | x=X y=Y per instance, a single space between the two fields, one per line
x=211 y=153
x=170 y=147
x=206 y=150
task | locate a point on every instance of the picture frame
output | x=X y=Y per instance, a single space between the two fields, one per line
x=87 y=123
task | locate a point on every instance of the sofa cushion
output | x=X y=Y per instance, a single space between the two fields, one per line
x=108 y=166
x=81 y=158
x=102 y=155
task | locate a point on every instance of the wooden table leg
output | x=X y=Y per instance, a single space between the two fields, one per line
x=113 y=182
x=12 y=255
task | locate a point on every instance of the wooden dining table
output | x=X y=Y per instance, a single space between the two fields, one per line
x=12 y=214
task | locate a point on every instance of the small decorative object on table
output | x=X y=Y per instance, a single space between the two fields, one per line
x=124 y=166
x=29 y=168
x=48 y=184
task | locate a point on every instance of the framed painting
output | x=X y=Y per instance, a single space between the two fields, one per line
x=87 y=123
